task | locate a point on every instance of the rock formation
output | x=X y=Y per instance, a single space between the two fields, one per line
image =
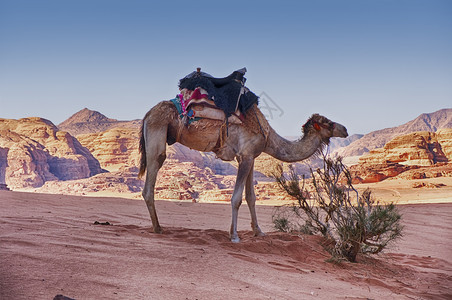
x=369 y=173
x=445 y=140
x=187 y=181
x=33 y=151
x=123 y=180
x=430 y=122
x=338 y=143
x=3 y=165
x=418 y=148
x=113 y=148
x=180 y=153
x=407 y=152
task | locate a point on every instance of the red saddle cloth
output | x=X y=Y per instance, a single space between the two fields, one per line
x=198 y=101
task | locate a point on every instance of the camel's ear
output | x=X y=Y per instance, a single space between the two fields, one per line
x=316 y=126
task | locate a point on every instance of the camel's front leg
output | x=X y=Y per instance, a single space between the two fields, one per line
x=245 y=165
x=250 y=197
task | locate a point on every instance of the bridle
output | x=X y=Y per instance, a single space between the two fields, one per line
x=317 y=126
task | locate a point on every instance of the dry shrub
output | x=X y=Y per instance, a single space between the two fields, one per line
x=355 y=222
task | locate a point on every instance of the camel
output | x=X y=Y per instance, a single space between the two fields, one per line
x=243 y=142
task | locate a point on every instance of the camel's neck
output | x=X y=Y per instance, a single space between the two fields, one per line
x=292 y=151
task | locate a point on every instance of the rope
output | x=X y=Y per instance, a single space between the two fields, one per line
x=180 y=127
x=222 y=133
x=260 y=126
x=262 y=130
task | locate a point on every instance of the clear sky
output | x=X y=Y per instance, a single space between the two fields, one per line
x=368 y=64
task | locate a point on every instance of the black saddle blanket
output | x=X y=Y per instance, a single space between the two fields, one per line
x=225 y=92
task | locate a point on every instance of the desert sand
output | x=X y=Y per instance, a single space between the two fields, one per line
x=49 y=245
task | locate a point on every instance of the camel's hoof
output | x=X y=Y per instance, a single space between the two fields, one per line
x=258 y=232
x=158 y=230
x=235 y=240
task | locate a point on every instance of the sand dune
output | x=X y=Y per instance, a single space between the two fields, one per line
x=49 y=245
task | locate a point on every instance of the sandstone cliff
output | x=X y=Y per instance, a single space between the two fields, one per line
x=33 y=151
x=430 y=122
x=123 y=180
x=408 y=152
x=113 y=148
x=418 y=148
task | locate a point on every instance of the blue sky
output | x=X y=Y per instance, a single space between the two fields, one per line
x=366 y=64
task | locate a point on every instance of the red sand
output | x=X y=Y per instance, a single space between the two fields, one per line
x=49 y=245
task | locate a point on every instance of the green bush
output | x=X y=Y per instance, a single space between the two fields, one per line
x=334 y=208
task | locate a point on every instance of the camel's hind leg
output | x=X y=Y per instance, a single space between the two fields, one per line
x=250 y=197
x=155 y=141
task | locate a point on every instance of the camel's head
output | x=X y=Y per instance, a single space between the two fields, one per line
x=327 y=129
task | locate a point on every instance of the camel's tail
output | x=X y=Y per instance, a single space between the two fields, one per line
x=143 y=162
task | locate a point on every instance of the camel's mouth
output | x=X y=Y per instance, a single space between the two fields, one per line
x=340 y=131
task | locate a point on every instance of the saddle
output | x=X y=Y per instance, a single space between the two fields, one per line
x=228 y=93
x=218 y=82
x=196 y=104
x=226 y=99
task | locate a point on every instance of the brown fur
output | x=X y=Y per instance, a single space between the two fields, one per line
x=254 y=120
x=308 y=127
x=160 y=114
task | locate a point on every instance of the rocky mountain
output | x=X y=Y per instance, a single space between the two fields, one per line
x=33 y=151
x=90 y=121
x=408 y=152
x=337 y=143
x=114 y=148
x=431 y=122
x=417 y=148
